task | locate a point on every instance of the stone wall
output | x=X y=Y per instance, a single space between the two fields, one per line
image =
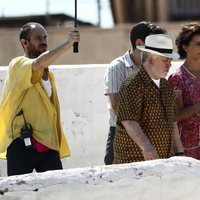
x=177 y=178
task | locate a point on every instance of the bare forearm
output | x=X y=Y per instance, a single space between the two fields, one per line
x=186 y=112
x=136 y=134
x=113 y=97
x=177 y=145
x=49 y=57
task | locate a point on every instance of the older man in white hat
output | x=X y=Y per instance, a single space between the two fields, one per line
x=146 y=127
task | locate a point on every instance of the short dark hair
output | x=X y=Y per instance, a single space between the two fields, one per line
x=188 y=31
x=25 y=30
x=142 y=29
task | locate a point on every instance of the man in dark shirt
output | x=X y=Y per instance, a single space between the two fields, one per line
x=145 y=122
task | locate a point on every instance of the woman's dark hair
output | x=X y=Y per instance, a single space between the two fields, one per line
x=188 y=31
x=142 y=29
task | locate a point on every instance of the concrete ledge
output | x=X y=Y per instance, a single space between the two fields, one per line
x=170 y=179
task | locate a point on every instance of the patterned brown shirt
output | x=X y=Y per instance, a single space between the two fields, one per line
x=153 y=108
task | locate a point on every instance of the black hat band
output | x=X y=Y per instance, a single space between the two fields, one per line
x=160 y=50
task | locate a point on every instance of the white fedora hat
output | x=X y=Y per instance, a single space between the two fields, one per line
x=159 y=44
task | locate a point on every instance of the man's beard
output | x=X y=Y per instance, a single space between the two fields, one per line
x=34 y=53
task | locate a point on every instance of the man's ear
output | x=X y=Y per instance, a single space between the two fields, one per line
x=139 y=42
x=150 y=59
x=23 y=42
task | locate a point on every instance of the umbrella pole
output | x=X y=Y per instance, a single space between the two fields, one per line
x=75 y=45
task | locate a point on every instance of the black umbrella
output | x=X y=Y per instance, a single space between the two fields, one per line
x=75 y=47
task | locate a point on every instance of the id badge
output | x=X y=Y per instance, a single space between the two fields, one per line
x=27 y=142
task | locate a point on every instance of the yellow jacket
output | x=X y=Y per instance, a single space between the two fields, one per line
x=24 y=89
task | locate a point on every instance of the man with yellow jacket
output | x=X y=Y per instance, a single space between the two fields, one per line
x=30 y=124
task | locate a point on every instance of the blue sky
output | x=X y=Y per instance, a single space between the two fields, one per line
x=87 y=9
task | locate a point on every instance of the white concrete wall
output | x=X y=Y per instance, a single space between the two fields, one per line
x=84 y=112
x=177 y=178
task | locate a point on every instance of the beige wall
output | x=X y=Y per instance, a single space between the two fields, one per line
x=96 y=46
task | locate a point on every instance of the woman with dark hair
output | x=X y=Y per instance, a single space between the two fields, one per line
x=186 y=86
